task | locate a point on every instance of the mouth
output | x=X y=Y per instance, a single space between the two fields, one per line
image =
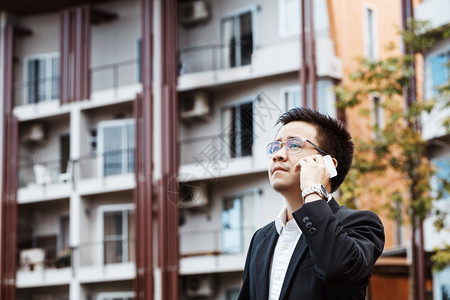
x=278 y=168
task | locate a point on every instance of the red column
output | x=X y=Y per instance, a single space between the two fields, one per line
x=168 y=186
x=8 y=243
x=75 y=42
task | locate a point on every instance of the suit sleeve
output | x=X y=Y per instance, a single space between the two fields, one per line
x=345 y=245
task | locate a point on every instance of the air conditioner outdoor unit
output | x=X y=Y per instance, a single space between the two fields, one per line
x=199 y=286
x=193 y=12
x=195 y=105
x=34 y=133
x=193 y=195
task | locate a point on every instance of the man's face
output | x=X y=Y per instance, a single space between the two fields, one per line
x=282 y=176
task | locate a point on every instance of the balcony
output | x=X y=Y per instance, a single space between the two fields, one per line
x=106 y=172
x=211 y=251
x=111 y=83
x=42 y=266
x=211 y=157
x=211 y=65
x=112 y=259
x=44 y=180
x=90 y=262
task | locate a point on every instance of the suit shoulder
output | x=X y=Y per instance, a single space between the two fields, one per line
x=263 y=231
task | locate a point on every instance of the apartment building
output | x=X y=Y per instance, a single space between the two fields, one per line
x=78 y=72
x=435 y=69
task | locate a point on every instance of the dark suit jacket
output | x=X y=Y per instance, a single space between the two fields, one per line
x=332 y=260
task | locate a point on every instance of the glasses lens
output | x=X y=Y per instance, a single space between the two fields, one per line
x=272 y=148
x=294 y=145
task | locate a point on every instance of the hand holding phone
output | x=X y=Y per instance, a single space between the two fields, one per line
x=330 y=166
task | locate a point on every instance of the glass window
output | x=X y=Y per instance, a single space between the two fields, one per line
x=237 y=222
x=118 y=230
x=439 y=69
x=237 y=40
x=238 y=133
x=369 y=34
x=42 y=83
x=116 y=147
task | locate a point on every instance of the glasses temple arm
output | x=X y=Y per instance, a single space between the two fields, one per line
x=317 y=147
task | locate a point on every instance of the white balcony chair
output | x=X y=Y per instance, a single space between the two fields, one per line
x=41 y=174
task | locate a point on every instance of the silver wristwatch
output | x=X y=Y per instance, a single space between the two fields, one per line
x=318 y=189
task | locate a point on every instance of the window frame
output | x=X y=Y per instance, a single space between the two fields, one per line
x=102 y=209
x=48 y=87
x=244 y=240
x=123 y=123
x=226 y=142
x=367 y=43
x=252 y=9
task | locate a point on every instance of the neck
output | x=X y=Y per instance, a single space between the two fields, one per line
x=293 y=202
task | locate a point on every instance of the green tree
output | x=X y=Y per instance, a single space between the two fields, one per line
x=396 y=151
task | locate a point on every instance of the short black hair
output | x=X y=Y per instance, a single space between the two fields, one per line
x=332 y=137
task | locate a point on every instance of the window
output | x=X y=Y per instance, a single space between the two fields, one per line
x=369 y=34
x=237 y=222
x=116 y=147
x=439 y=70
x=117 y=233
x=292 y=97
x=42 y=78
x=64 y=236
x=237 y=40
x=238 y=133
x=116 y=296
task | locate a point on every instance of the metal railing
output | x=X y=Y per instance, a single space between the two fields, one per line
x=99 y=253
x=113 y=76
x=102 y=253
x=107 y=163
x=215 y=242
x=104 y=77
x=215 y=57
x=43 y=258
x=43 y=173
x=36 y=91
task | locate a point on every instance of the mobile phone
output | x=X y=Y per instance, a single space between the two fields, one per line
x=330 y=166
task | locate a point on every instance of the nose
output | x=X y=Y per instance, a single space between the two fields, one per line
x=280 y=155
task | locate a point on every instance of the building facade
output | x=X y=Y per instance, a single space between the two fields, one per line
x=140 y=138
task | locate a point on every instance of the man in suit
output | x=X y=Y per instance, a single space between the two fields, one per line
x=315 y=249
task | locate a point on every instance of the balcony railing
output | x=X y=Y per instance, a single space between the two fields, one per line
x=43 y=173
x=36 y=91
x=102 y=253
x=215 y=242
x=113 y=76
x=108 y=163
x=104 y=77
x=215 y=57
x=44 y=257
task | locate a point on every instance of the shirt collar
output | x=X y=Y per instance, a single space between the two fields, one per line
x=280 y=221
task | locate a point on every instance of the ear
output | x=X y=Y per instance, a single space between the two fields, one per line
x=335 y=162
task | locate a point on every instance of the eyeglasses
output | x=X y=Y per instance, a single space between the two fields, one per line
x=293 y=145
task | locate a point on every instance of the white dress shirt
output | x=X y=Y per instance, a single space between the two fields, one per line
x=289 y=235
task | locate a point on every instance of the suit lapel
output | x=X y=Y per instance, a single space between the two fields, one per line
x=263 y=259
x=299 y=252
